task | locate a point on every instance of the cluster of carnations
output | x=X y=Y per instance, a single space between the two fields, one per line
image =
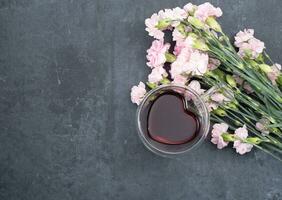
x=247 y=110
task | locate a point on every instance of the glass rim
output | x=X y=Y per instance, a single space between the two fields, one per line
x=169 y=153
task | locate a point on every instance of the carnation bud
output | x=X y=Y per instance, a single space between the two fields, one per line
x=231 y=106
x=196 y=22
x=200 y=45
x=253 y=140
x=165 y=81
x=237 y=123
x=274 y=130
x=151 y=85
x=193 y=35
x=213 y=24
x=220 y=112
x=220 y=74
x=192 y=11
x=170 y=57
x=265 y=68
x=228 y=137
x=241 y=66
x=253 y=63
x=247 y=119
x=163 y=24
x=279 y=99
x=230 y=80
x=181 y=28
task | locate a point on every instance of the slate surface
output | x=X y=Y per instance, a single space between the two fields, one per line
x=67 y=128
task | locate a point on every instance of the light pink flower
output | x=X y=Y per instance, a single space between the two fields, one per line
x=189 y=61
x=243 y=36
x=177 y=36
x=189 y=41
x=179 y=14
x=157 y=74
x=156 y=53
x=207 y=10
x=218 y=97
x=138 y=93
x=178 y=47
x=273 y=75
x=211 y=105
x=240 y=146
x=183 y=43
x=213 y=63
x=180 y=80
x=189 y=7
x=197 y=64
x=217 y=131
x=151 y=24
x=253 y=46
x=256 y=46
x=175 y=15
x=261 y=126
x=177 y=67
x=196 y=86
x=277 y=66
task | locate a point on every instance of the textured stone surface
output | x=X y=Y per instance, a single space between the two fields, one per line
x=67 y=128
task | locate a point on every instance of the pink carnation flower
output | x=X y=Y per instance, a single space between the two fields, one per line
x=177 y=36
x=211 y=105
x=198 y=63
x=151 y=24
x=217 y=131
x=243 y=36
x=273 y=75
x=181 y=44
x=138 y=93
x=218 y=97
x=189 y=7
x=190 y=61
x=175 y=15
x=157 y=75
x=240 y=146
x=156 y=53
x=196 y=86
x=253 y=46
x=207 y=10
x=177 y=67
x=261 y=126
x=256 y=46
x=180 y=80
x=178 y=47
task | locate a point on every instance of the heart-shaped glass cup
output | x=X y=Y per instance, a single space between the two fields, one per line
x=194 y=101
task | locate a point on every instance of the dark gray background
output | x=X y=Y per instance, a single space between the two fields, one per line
x=67 y=126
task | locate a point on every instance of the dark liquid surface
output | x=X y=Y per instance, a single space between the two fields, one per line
x=169 y=122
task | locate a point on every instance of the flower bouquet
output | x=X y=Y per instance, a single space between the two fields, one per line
x=247 y=109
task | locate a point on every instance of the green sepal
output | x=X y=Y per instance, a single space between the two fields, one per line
x=213 y=24
x=170 y=57
x=151 y=85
